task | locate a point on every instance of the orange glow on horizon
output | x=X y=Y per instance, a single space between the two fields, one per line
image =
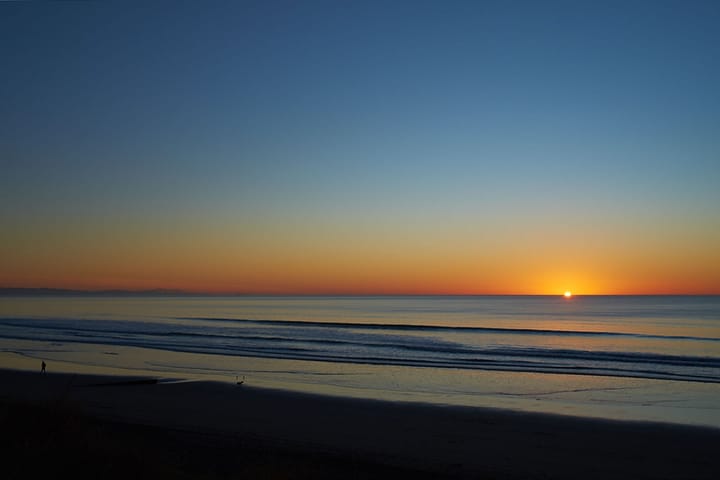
x=316 y=259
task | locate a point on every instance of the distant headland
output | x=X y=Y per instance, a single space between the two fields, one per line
x=20 y=291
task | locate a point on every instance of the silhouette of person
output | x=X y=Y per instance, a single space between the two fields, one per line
x=42 y=369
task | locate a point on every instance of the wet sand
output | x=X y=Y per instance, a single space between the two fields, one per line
x=222 y=430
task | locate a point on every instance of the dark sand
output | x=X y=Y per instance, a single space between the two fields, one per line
x=122 y=427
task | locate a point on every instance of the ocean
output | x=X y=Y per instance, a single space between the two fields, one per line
x=646 y=358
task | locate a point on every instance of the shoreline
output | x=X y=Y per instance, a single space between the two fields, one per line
x=445 y=441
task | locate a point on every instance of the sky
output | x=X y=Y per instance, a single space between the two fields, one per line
x=361 y=147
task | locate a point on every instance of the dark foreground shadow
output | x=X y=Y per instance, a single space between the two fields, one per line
x=40 y=442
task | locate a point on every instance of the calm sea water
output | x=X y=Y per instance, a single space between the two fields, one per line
x=644 y=358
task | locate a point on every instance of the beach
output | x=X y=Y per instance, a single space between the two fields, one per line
x=621 y=358
x=304 y=435
x=360 y=240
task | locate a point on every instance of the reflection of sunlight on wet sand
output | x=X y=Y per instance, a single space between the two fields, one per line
x=590 y=396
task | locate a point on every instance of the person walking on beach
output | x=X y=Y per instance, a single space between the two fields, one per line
x=42 y=368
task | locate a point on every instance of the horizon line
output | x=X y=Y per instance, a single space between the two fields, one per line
x=183 y=292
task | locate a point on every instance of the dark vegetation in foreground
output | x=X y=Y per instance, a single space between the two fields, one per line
x=40 y=442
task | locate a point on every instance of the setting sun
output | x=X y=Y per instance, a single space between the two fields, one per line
x=567 y=294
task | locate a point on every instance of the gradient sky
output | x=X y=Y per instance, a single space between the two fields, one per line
x=361 y=147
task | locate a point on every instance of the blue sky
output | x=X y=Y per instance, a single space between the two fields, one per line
x=440 y=112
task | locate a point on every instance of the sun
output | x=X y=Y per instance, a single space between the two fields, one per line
x=567 y=294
